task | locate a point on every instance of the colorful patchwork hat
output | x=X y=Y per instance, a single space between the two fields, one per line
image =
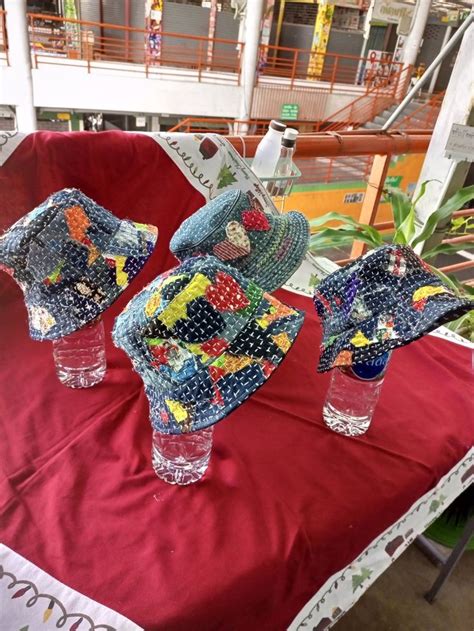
x=72 y=258
x=386 y=298
x=203 y=338
x=234 y=227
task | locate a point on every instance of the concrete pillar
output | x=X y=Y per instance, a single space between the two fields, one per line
x=253 y=19
x=412 y=43
x=434 y=78
x=20 y=61
x=457 y=107
x=154 y=123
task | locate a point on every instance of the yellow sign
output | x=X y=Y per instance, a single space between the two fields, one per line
x=322 y=28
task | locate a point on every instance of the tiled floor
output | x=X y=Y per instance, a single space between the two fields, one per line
x=395 y=602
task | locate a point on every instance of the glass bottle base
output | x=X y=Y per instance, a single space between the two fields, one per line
x=182 y=459
x=344 y=423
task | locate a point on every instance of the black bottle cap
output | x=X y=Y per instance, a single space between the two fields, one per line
x=277 y=126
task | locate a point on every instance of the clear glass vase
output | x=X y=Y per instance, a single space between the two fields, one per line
x=79 y=358
x=182 y=458
x=352 y=396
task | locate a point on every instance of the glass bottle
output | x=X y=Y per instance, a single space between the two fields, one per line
x=284 y=167
x=353 y=394
x=79 y=357
x=268 y=150
x=182 y=458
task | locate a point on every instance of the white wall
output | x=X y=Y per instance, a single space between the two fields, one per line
x=125 y=88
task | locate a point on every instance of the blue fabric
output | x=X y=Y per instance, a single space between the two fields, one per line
x=203 y=338
x=234 y=228
x=387 y=298
x=72 y=258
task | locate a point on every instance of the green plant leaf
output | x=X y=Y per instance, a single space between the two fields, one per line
x=451 y=281
x=347 y=222
x=339 y=236
x=406 y=231
x=401 y=205
x=445 y=211
x=423 y=191
x=447 y=248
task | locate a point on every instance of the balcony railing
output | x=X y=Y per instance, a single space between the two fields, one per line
x=91 y=43
x=298 y=65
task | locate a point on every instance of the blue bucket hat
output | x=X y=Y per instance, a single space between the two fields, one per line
x=72 y=258
x=234 y=228
x=203 y=338
x=386 y=298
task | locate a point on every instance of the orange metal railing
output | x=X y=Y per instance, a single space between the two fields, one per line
x=295 y=64
x=367 y=106
x=3 y=38
x=424 y=116
x=100 y=42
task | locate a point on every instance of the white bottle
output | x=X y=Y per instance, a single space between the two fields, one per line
x=268 y=150
x=284 y=165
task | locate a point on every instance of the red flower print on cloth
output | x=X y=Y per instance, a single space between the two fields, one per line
x=226 y=294
x=255 y=220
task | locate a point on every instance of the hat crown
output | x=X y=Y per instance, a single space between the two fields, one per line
x=213 y=215
x=186 y=318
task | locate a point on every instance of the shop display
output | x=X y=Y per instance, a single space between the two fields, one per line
x=383 y=300
x=203 y=338
x=234 y=228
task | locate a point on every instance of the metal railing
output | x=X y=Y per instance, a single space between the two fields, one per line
x=380 y=146
x=367 y=106
x=95 y=42
x=424 y=116
x=298 y=64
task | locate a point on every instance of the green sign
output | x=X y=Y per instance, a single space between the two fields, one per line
x=393 y=180
x=290 y=111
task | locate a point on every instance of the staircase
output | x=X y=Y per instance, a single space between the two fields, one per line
x=419 y=114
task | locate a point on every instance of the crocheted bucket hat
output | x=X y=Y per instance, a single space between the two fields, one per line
x=203 y=338
x=72 y=258
x=387 y=298
x=234 y=227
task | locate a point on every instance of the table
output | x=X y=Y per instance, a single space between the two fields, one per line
x=287 y=510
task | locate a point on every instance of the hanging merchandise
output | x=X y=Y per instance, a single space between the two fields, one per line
x=266 y=30
x=153 y=22
x=73 y=31
x=319 y=45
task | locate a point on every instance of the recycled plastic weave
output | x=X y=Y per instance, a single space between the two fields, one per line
x=386 y=298
x=203 y=338
x=72 y=258
x=234 y=227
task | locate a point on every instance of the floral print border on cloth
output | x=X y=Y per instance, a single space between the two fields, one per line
x=32 y=599
x=212 y=165
x=344 y=588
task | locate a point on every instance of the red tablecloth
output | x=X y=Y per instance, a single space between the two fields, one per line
x=285 y=503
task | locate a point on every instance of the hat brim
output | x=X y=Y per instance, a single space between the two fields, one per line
x=216 y=390
x=74 y=303
x=409 y=327
x=286 y=250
